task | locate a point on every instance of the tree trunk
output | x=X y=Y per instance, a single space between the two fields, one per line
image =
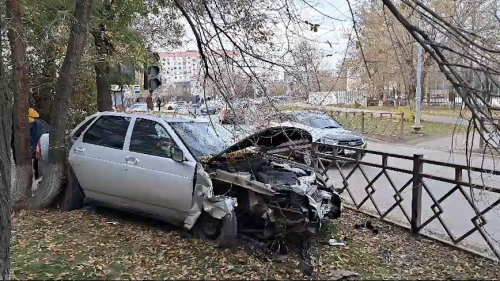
x=22 y=151
x=44 y=95
x=51 y=184
x=6 y=103
x=104 y=101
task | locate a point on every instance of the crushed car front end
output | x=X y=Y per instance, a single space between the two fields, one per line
x=274 y=198
x=268 y=196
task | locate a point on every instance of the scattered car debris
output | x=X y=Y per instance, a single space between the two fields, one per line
x=333 y=242
x=368 y=225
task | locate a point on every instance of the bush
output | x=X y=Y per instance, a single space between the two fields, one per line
x=357 y=105
x=409 y=113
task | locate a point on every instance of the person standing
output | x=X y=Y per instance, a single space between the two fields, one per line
x=37 y=128
x=149 y=102
x=158 y=103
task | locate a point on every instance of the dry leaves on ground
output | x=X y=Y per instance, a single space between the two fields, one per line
x=101 y=243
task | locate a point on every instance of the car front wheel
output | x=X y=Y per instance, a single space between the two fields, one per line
x=223 y=231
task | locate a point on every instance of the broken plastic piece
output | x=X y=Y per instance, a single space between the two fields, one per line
x=334 y=242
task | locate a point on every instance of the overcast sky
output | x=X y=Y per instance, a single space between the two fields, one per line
x=335 y=26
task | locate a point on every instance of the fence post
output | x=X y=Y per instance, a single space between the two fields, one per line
x=416 y=194
x=362 y=122
x=402 y=128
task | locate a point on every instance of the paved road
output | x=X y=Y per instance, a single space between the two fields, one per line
x=430 y=118
x=457 y=212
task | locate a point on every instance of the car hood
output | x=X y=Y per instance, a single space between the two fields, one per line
x=270 y=137
x=316 y=133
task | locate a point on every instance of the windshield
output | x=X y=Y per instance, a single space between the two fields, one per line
x=319 y=121
x=200 y=138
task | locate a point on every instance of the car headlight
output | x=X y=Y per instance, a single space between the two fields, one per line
x=330 y=141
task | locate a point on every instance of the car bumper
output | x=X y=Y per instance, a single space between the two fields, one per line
x=329 y=150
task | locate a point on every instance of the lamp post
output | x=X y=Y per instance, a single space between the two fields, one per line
x=417 y=127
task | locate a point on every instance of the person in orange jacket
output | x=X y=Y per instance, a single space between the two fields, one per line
x=37 y=127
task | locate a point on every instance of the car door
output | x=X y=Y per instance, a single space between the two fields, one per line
x=153 y=177
x=98 y=159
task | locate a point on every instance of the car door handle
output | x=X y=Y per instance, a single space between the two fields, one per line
x=79 y=150
x=131 y=160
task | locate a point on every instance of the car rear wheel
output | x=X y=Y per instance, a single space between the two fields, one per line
x=72 y=197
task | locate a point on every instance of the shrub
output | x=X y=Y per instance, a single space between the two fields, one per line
x=409 y=113
x=357 y=104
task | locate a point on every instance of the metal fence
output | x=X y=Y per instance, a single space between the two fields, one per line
x=373 y=124
x=431 y=198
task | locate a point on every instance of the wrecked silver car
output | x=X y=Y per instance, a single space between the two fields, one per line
x=183 y=170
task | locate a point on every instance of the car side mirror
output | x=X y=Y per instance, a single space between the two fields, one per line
x=177 y=154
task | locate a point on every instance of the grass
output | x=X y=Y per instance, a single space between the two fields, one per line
x=428 y=110
x=386 y=128
x=103 y=244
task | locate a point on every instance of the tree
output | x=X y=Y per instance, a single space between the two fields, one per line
x=128 y=25
x=6 y=102
x=21 y=140
x=51 y=184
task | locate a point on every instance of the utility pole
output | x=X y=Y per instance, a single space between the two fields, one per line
x=417 y=127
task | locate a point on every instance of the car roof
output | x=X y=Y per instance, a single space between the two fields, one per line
x=168 y=117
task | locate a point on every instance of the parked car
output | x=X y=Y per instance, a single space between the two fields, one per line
x=138 y=107
x=234 y=115
x=172 y=106
x=207 y=110
x=179 y=169
x=181 y=103
x=324 y=130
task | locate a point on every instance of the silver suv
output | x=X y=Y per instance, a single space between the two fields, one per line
x=183 y=170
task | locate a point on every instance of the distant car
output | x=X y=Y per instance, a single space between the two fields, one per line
x=172 y=106
x=324 y=130
x=208 y=110
x=235 y=115
x=140 y=106
x=181 y=103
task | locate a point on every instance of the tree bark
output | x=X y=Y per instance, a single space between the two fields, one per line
x=6 y=102
x=21 y=138
x=46 y=90
x=50 y=187
x=103 y=49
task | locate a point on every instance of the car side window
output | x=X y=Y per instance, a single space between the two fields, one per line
x=108 y=131
x=82 y=128
x=151 y=138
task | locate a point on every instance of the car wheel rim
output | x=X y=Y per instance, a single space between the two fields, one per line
x=210 y=227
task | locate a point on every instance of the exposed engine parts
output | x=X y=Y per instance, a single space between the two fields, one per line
x=273 y=198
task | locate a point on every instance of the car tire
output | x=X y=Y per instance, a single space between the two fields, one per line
x=73 y=197
x=222 y=231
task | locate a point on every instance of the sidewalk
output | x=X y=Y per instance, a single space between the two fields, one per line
x=459 y=143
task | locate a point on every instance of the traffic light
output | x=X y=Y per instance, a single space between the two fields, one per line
x=154 y=79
